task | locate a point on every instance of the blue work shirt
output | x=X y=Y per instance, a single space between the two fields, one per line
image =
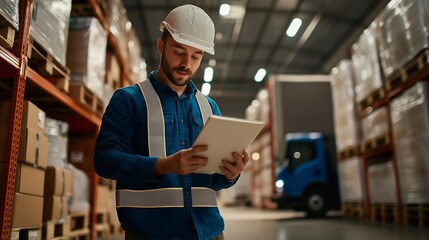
x=121 y=153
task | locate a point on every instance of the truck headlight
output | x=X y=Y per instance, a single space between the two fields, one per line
x=280 y=183
x=279 y=186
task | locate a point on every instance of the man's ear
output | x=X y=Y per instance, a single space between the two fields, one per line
x=159 y=45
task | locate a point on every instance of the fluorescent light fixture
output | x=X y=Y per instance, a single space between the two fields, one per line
x=260 y=74
x=208 y=74
x=224 y=9
x=206 y=88
x=294 y=27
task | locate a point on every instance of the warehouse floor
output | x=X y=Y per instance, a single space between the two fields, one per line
x=242 y=223
x=245 y=223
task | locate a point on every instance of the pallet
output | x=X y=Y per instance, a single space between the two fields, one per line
x=376 y=142
x=353 y=209
x=47 y=66
x=374 y=96
x=405 y=73
x=101 y=223
x=25 y=233
x=385 y=213
x=349 y=152
x=416 y=214
x=55 y=230
x=86 y=97
x=7 y=33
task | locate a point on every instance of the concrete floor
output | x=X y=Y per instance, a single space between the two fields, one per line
x=251 y=224
x=243 y=223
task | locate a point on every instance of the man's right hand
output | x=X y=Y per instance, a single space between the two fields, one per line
x=184 y=161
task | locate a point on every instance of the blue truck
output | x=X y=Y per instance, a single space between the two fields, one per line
x=306 y=176
x=303 y=142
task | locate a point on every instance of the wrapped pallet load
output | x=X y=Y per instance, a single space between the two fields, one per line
x=50 y=26
x=366 y=64
x=86 y=53
x=410 y=126
x=375 y=128
x=381 y=183
x=345 y=111
x=117 y=20
x=403 y=28
x=351 y=180
x=9 y=9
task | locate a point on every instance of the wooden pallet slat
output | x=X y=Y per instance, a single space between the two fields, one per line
x=47 y=66
x=79 y=226
x=83 y=95
x=376 y=142
x=7 y=33
x=353 y=209
x=349 y=152
x=416 y=214
x=374 y=96
x=405 y=73
x=56 y=230
x=385 y=212
x=25 y=233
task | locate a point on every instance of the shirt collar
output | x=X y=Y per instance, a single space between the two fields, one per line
x=161 y=87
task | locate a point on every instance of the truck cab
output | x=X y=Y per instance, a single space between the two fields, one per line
x=306 y=176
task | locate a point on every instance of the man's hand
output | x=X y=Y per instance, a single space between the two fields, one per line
x=232 y=170
x=184 y=161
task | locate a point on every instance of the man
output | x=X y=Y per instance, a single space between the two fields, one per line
x=145 y=141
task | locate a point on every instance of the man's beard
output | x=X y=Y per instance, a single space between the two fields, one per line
x=168 y=70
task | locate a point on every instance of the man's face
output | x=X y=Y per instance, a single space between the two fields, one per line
x=179 y=62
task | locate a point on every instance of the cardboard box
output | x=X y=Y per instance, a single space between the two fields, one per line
x=27 y=211
x=103 y=196
x=81 y=152
x=55 y=208
x=29 y=180
x=33 y=147
x=58 y=181
x=32 y=116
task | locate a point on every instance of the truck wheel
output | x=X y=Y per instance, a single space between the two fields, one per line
x=316 y=203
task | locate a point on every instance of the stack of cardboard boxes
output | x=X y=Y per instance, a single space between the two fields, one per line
x=42 y=193
x=30 y=175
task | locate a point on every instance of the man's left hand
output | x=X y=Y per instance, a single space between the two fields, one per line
x=232 y=170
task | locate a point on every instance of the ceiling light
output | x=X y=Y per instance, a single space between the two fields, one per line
x=259 y=76
x=294 y=27
x=224 y=9
x=232 y=11
x=206 y=88
x=208 y=74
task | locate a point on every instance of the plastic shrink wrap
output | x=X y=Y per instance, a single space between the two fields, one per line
x=366 y=64
x=86 y=53
x=403 y=28
x=50 y=26
x=9 y=9
x=375 y=124
x=351 y=180
x=381 y=181
x=410 y=125
x=345 y=111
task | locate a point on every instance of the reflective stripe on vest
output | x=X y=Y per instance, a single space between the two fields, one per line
x=164 y=197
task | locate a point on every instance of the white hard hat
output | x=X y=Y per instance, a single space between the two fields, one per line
x=190 y=25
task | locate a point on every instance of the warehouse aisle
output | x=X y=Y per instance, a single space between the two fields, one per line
x=250 y=224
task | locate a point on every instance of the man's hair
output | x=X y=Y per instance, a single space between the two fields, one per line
x=165 y=35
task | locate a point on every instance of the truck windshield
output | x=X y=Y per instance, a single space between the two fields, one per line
x=299 y=152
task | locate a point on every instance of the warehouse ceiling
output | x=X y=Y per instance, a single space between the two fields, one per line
x=254 y=37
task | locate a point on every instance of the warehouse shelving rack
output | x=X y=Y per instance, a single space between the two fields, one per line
x=389 y=148
x=19 y=82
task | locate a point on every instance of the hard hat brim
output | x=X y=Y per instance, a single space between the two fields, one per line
x=187 y=39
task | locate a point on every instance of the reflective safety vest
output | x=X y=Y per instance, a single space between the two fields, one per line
x=164 y=197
